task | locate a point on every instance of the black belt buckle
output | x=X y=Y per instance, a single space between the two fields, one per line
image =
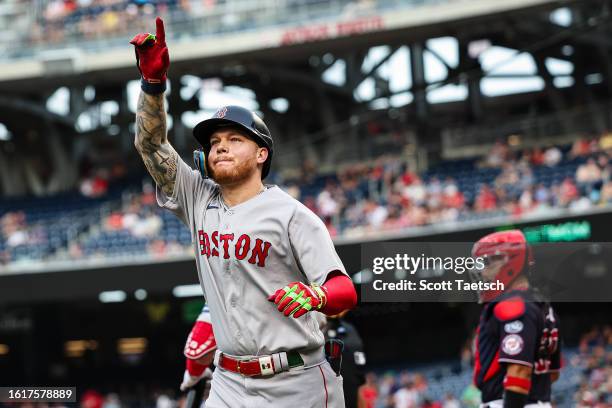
x=333 y=354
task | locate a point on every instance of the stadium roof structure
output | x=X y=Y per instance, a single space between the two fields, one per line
x=335 y=73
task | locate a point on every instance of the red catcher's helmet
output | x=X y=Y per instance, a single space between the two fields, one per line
x=507 y=253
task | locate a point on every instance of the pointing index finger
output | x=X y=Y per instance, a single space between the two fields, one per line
x=160 y=34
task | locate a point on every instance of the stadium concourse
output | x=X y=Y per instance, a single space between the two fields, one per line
x=110 y=217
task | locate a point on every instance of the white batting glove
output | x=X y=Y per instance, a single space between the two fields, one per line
x=190 y=380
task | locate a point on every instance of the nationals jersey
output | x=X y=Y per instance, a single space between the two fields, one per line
x=244 y=254
x=516 y=328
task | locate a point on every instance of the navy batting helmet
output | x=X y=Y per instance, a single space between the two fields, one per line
x=240 y=118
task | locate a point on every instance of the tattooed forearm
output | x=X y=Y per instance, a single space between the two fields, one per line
x=151 y=141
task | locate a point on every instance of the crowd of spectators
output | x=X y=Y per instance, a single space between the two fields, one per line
x=358 y=200
x=16 y=232
x=406 y=390
x=594 y=360
x=64 y=20
x=386 y=195
x=89 y=19
x=587 y=372
x=136 y=217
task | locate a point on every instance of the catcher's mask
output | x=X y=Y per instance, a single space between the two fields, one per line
x=506 y=255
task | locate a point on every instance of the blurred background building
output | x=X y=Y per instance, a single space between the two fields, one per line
x=397 y=120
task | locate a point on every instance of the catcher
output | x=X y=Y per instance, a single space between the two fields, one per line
x=517 y=350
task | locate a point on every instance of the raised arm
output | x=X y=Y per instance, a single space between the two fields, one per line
x=151 y=140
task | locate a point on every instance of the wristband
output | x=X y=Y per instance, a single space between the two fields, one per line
x=322 y=295
x=513 y=399
x=523 y=383
x=153 y=88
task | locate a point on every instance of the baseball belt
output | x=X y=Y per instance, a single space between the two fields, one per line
x=260 y=366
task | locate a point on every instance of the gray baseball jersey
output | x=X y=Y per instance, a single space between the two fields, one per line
x=245 y=253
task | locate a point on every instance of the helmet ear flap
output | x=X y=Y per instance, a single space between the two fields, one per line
x=199 y=159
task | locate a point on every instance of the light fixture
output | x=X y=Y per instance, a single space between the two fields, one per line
x=187 y=291
x=112 y=296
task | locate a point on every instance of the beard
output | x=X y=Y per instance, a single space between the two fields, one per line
x=234 y=174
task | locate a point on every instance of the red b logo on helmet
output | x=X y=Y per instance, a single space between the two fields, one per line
x=221 y=112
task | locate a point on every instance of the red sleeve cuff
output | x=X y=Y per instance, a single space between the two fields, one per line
x=194 y=368
x=341 y=294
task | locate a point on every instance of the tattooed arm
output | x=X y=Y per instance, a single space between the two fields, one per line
x=151 y=141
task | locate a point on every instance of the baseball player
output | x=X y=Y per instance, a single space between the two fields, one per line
x=352 y=357
x=517 y=350
x=199 y=351
x=264 y=260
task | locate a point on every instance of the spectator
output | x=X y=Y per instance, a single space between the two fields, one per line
x=92 y=399
x=14 y=228
x=111 y=401
x=434 y=187
x=541 y=195
x=486 y=200
x=368 y=392
x=149 y=226
x=589 y=172
x=588 y=176
x=498 y=155
x=471 y=397
x=387 y=388
x=148 y=195
x=408 y=178
x=327 y=204
x=508 y=177
x=526 y=201
x=406 y=396
x=420 y=384
x=95 y=186
x=417 y=215
x=552 y=156
x=581 y=204
x=450 y=401
x=605 y=142
x=416 y=192
x=537 y=157
x=580 y=148
x=430 y=404
x=376 y=214
x=568 y=192
x=114 y=221
x=526 y=176
x=604 y=164
x=452 y=197
x=606 y=193
x=466 y=355
x=294 y=191
x=164 y=401
x=157 y=248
